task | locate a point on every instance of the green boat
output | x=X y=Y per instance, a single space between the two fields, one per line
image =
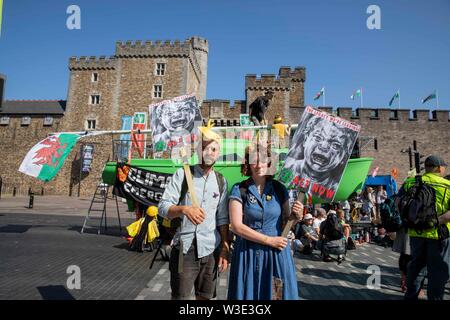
x=229 y=165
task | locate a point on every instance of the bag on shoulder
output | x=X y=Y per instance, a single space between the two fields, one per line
x=418 y=206
x=390 y=215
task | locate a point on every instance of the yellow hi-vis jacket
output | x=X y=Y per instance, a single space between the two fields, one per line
x=441 y=187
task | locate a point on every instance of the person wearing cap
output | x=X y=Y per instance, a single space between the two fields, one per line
x=282 y=131
x=204 y=230
x=309 y=236
x=430 y=248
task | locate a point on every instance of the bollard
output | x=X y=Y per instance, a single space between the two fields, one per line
x=14 y=191
x=30 y=204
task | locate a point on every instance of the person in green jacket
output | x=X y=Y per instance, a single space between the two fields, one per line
x=428 y=250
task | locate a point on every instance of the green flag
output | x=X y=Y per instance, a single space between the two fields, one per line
x=356 y=94
x=396 y=96
x=45 y=159
x=430 y=97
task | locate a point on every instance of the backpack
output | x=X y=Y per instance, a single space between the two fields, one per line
x=418 y=206
x=391 y=219
x=332 y=229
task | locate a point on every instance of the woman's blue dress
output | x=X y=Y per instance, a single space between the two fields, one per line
x=254 y=265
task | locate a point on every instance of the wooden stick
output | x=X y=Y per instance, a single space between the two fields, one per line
x=291 y=220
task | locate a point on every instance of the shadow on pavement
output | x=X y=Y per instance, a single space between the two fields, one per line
x=360 y=279
x=332 y=292
x=15 y=228
x=55 y=293
x=114 y=231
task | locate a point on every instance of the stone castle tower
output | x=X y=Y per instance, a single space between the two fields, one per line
x=288 y=89
x=102 y=89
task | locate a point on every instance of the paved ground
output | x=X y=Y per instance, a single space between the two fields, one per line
x=37 y=248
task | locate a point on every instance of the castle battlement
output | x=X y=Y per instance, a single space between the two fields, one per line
x=225 y=103
x=282 y=81
x=158 y=48
x=297 y=74
x=266 y=81
x=383 y=114
x=92 y=63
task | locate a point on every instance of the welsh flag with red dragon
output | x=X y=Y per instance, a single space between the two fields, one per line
x=45 y=159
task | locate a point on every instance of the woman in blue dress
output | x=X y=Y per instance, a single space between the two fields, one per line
x=262 y=263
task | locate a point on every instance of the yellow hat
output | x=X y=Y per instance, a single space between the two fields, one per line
x=278 y=119
x=152 y=211
x=208 y=134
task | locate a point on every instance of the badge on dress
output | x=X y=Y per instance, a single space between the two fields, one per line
x=268 y=197
x=251 y=198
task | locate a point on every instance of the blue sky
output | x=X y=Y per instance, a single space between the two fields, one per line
x=330 y=38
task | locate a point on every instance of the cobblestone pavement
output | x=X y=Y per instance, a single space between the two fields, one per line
x=37 y=248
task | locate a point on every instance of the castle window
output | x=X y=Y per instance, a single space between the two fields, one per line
x=157 y=91
x=393 y=115
x=26 y=121
x=91 y=124
x=4 y=121
x=375 y=144
x=95 y=99
x=413 y=115
x=374 y=114
x=355 y=113
x=94 y=77
x=48 y=121
x=160 y=69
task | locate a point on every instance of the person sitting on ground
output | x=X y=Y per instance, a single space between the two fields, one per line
x=345 y=226
x=309 y=236
x=321 y=216
x=347 y=229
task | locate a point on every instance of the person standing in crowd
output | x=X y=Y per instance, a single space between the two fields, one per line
x=430 y=248
x=402 y=246
x=205 y=251
x=381 y=196
x=368 y=203
x=258 y=109
x=262 y=266
x=345 y=205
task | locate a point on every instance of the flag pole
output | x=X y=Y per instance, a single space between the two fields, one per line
x=399 y=98
x=437 y=100
x=361 y=97
x=323 y=96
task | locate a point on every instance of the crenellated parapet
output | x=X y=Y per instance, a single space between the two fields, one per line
x=387 y=114
x=92 y=63
x=267 y=81
x=158 y=48
x=283 y=81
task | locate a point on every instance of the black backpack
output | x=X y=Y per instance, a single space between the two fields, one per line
x=332 y=229
x=417 y=206
x=390 y=215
